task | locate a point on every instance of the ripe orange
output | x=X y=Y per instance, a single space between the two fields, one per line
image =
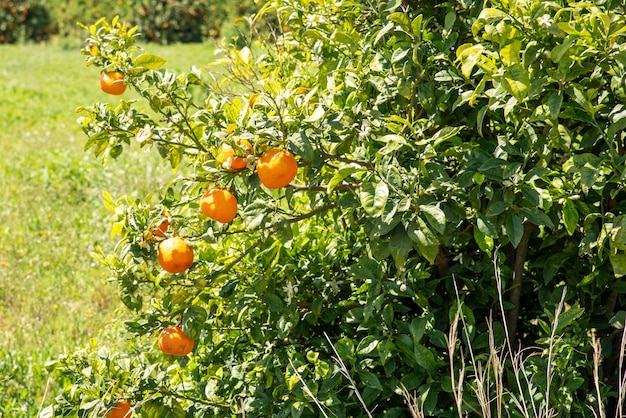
x=226 y=155
x=174 y=341
x=175 y=255
x=219 y=204
x=112 y=82
x=276 y=168
x=120 y=410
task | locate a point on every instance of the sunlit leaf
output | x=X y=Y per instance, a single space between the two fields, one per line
x=374 y=198
x=149 y=61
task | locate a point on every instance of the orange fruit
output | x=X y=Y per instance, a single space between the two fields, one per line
x=174 y=341
x=120 y=410
x=175 y=255
x=219 y=204
x=226 y=155
x=276 y=168
x=112 y=82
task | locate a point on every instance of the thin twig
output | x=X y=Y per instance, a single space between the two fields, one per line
x=555 y=326
x=307 y=390
x=597 y=353
x=415 y=407
x=619 y=412
x=344 y=371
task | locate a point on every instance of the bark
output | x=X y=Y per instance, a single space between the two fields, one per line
x=515 y=288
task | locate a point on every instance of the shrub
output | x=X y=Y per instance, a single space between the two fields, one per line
x=456 y=162
x=67 y=14
x=168 y=21
x=24 y=20
x=163 y=21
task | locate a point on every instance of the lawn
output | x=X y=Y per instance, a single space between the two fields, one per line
x=53 y=296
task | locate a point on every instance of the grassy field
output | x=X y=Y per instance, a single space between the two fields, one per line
x=53 y=296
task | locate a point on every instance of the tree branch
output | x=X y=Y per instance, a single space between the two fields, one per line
x=324 y=188
x=515 y=288
x=311 y=214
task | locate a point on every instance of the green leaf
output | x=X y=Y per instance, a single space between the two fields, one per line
x=388 y=27
x=342 y=173
x=300 y=144
x=495 y=208
x=516 y=82
x=149 y=61
x=485 y=226
x=469 y=56
x=109 y=203
x=387 y=221
x=417 y=329
x=392 y=142
x=426 y=242
x=228 y=289
x=514 y=229
x=568 y=317
x=553 y=264
x=561 y=50
x=274 y=303
x=47 y=412
x=425 y=358
x=434 y=216
x=618 y=320
x=619 y=286
x=416 y=26
x=317 y=114
x=537 y=217
x=510 y=53
x=194 y=318
x=374 y=198
x=466 y=314
x=367 y=345
x=570 y=216
x=618 y=234
x=345 y=349
x=618 y=262
x=441 y=135
x=370 y=380
x=490 y=14
x=555 y=100
x=401 y=19
x=399 y=246
x=485 y=243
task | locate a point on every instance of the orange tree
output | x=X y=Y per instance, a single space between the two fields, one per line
x=459 y=183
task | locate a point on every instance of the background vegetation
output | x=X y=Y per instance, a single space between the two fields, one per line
x=162 y=21
x=54 y=296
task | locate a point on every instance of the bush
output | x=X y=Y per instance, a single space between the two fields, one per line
x=163 y=21
x=24 y=20
x=68 y=13
x=168 y=21
x=457 y=162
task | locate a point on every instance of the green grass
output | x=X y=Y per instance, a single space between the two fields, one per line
x=53 y=296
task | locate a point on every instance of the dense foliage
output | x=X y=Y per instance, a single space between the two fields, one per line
x=461 y=171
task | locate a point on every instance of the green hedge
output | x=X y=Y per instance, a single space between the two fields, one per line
x=24 y=20
x=163 y=21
